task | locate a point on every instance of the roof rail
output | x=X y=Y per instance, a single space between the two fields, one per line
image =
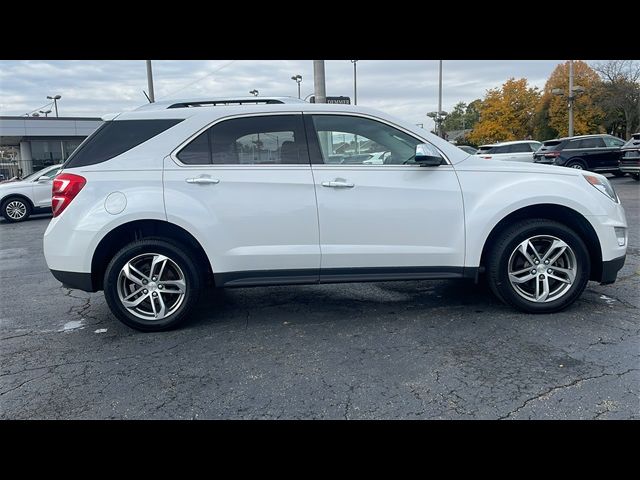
x=210 y=102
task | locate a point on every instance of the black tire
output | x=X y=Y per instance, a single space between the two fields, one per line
x=182 y=256
x=636 y=176
x=498 y=259
x=618 y=173
x=577 y=164
x=11 y=201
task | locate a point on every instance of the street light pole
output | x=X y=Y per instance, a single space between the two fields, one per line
x=298 y=80
x=355 y=82
x=152 y=97
x=55 y=99
x=440 y=98
x=571 y=98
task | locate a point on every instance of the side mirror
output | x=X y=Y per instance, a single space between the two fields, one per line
x=428 y=156
x=43 y=179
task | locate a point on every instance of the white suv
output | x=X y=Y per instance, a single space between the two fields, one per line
x=518 y=151
x=32 y=194
x=160 y=202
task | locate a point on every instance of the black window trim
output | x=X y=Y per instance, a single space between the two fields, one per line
x=174 y=153
x=78 y=150
x=311 y=137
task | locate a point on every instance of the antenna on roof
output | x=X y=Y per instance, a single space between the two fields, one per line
x=145 y=94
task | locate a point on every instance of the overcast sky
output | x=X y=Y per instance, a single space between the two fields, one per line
x=408 y=89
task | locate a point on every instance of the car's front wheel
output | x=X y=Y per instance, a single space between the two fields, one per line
x=152 y=284
x=15 y=209
x=538 y=266
x=636 y=176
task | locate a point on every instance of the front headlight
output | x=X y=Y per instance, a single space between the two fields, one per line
x=603 y=185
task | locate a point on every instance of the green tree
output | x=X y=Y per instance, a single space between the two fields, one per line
x=618 y=96
x=462 y=116
x=506 y=113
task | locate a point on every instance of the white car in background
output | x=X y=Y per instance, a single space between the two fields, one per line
x=376 y=158
x=21 y=198
x=518 y=151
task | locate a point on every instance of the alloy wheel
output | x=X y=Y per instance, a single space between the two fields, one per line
x=542 y=268
x=16 y=209
x=151 y=286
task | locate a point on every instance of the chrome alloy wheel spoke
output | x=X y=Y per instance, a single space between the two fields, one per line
x=542 y=268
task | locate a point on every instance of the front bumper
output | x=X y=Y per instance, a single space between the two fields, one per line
x=629 y=168
x=610 y=269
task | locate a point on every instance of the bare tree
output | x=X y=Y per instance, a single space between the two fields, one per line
x=620 y=92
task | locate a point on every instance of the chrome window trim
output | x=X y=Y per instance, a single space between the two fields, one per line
x=386 y=122
x=174 y=153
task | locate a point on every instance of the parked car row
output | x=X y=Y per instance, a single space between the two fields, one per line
x=597 y=153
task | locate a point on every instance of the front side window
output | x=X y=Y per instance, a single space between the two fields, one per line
x=346 y=140
x=267 y=139
x=592 y=143
x=613 y=142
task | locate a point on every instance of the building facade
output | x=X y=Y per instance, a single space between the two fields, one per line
x=28 y=144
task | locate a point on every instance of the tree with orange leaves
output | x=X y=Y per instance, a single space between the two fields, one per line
x=552 y=116
x=506 y=113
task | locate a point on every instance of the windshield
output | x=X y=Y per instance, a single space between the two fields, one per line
x=39 y=173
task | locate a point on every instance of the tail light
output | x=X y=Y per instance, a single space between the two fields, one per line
x=65 y=188
x=552 y=154
x=485 y=157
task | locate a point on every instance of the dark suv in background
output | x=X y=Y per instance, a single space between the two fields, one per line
x=597 y=153
x=630 y=157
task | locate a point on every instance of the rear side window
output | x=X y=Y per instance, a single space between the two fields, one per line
x=114 y=138
x=519 y=148
x=267 y=139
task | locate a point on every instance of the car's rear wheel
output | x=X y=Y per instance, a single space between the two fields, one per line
x=618 y=173
x=538 y=266
x=15 y=209
x=152 y=284
x=577 y=164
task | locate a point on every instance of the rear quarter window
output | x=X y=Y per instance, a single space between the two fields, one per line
x=114 y=138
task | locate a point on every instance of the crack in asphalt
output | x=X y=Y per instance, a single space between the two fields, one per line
x=561 y=387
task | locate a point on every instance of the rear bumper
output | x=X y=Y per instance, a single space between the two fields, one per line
x=75 y=280
x=610 y=269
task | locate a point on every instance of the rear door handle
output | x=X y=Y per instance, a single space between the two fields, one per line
x=202 y=180
x=338 y=184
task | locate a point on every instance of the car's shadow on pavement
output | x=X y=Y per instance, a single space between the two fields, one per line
x=326 y=303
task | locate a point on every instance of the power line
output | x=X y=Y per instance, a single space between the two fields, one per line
x=200 y=79
x=39 y=108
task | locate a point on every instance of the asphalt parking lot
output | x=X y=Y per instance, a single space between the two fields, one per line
x=407 y=350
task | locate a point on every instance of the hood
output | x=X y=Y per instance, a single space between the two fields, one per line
x=476 y=163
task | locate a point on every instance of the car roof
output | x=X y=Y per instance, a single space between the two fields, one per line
x=576 y=137
x=216 y=101
x=513 y=142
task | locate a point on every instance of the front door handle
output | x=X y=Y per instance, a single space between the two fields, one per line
x=338 y=184
x=202 y=180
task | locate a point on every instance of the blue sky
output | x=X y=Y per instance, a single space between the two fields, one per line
x=406 y=88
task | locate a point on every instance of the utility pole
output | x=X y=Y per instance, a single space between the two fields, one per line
x=355 y=82
x=440 y=99
x=571 y=97
x=319 y=81
x=152 y=97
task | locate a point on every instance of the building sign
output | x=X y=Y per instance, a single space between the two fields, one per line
x=338 y=100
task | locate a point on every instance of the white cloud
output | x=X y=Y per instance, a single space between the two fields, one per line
x=405 y=88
